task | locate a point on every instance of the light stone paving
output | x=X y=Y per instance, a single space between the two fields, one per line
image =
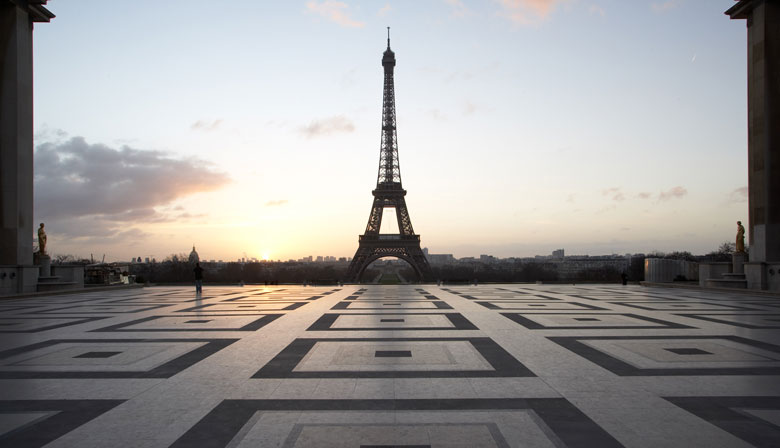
x=415 y=365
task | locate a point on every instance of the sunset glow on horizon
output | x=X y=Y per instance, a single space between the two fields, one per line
x=596 y=126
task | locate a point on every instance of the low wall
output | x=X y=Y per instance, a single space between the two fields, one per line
x=765 y=276
x=18 y=279
x=69 y=273
x=662 y=270
x=713 y=270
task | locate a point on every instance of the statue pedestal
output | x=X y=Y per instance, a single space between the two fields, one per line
x=738 y=260
x=45 y=265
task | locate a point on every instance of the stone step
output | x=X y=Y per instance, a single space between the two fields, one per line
x=48 y=279
x=57 y=286
x=727 y=283
x=733 y=276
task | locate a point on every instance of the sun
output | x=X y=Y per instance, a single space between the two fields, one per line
x=266 y=256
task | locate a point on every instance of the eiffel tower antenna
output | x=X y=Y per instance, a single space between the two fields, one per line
x=389 y=193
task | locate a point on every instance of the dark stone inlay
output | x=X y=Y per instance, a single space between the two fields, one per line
x=587 y=319
x=391 y=304
x=97 y=355
x=724 y=412
x=687 y=351
x=257 y=324
x=325 y=322
x=395 y=446
x=569 y=424
x=87 y=309
x=721 y=319
x=621 y=368
x=439 y=304
x=66 y=416
x=290 y=307
x=393 y=354
x=534 y=325
x=284 y=363
x=166 y=370
x=705 y=306
x=520 y=305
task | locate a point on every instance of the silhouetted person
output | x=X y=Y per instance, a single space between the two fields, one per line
x=198 y=278
x=624 y=277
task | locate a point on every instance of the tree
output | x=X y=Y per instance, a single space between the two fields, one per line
x=723 y=253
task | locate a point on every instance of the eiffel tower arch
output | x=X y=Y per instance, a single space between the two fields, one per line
x=389 y=194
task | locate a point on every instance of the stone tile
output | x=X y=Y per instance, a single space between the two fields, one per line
x=487 y=365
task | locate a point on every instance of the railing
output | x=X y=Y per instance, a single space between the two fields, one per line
x=389 y=237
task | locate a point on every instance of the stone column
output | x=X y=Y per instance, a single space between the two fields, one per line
x=763 y=40
x=16 y=128
x=763 y=64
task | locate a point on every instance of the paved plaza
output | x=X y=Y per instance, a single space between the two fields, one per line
x=391 y=366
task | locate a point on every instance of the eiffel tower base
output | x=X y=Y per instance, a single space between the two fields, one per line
x=372 y=248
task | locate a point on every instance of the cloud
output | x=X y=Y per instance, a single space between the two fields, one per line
x=673 y=193
x=93 y=190
x=457 y=7
x=276 y=202
x=384 y=10
x=739 y=195
x=644 y=195
x=526 y=12
x=334 y=11
x=469 y=108
x=329 y=125
x=596 y=10
x=665 y=6
x=615 y=193
x=201 y=125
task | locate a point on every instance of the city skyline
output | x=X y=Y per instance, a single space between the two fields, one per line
x=523 y=126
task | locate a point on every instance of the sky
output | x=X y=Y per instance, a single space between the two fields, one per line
x=524 y=126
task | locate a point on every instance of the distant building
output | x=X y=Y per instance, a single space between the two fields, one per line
x=487 y=259
x=558 y=254
x=194 y=257
x=441 y=259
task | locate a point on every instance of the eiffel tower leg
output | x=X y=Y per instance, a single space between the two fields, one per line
x=358 y=263
x=420 y=263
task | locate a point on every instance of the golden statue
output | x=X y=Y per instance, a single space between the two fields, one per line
x=41 y=240
x=740 y=246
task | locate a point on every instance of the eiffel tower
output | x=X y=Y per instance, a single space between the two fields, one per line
x=389 y=194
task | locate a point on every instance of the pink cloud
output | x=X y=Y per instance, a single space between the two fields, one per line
x=337 y=12
x=615 y=193
x=676 y=192
x=526 y=12
x=739 y=195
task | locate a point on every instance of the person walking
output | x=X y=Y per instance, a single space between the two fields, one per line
x=198 y=278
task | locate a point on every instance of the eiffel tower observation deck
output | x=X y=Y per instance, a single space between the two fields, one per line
x=389 y=193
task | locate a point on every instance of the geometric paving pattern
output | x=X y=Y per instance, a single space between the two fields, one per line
x=502 y=365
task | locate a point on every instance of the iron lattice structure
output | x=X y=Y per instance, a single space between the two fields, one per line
x=389 y=194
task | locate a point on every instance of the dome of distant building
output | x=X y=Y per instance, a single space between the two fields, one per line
x=194 y=258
